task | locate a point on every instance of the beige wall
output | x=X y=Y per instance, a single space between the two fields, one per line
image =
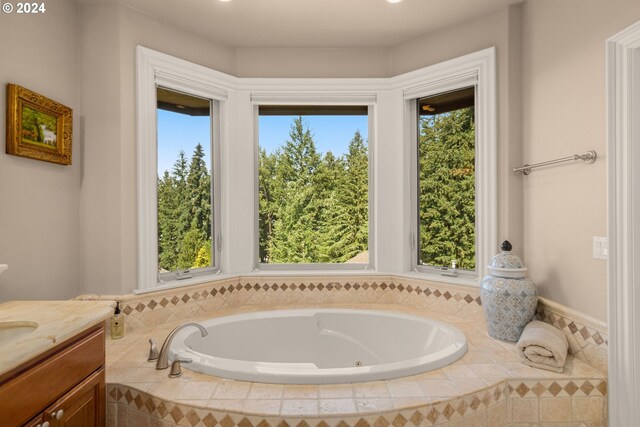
x=501 y=29
x=110 y=34
x=564 y=113
x=79 y=223
x=258 y=62
x=39 y=234
x=109 y=194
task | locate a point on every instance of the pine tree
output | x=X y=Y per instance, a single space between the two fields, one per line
x=267 y=207
x=295 y=236
x=189 y=249
x=199 y=193
x=173 y=215
x=167 y=225
x=447 y=189
x=347 y=234
x=184 y=214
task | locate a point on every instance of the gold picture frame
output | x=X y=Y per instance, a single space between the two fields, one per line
x=38 y=127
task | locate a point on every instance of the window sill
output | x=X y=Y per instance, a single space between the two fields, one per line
x=172 y=284
x=457 y=281
x=461 y=281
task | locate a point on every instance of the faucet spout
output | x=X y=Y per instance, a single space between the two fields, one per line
x=163 y=357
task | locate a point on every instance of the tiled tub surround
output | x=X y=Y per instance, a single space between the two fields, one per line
x=587 y=336
x=487 y=387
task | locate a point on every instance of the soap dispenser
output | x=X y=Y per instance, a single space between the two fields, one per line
x=117 y=323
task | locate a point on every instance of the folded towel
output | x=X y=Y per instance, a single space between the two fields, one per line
x=543 y=346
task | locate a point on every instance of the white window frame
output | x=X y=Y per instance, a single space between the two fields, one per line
x=154 y=70
x=478 y=70
x=389 y=101
x=332 y=99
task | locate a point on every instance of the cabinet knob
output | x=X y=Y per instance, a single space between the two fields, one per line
x=44 y=424
x=56 y=415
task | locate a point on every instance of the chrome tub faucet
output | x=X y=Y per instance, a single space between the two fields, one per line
x=163 y=357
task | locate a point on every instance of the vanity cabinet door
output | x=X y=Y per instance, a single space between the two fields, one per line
x=36 y=422
x=83 y=406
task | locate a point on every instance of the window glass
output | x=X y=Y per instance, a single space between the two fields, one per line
x=184 y=182
x=446 y=180
x=313 y=184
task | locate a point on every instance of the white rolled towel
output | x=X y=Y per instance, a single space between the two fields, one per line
x=543 y=346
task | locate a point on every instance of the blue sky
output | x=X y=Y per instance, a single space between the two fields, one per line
x=330 y=133
x=183 y=132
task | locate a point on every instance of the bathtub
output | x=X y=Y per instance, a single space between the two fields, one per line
x=319 y=346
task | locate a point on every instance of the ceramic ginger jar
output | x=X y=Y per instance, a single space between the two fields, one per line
x=509 y=298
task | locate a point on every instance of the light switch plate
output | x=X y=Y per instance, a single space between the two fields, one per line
x=600 y=247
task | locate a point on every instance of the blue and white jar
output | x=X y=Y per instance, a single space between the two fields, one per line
x=508 y=297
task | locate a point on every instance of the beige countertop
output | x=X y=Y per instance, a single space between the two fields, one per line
x=57 y=322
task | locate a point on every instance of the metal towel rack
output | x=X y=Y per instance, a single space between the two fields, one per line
x=589 y=157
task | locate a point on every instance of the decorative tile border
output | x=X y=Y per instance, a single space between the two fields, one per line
x=215 y=290
x=588 y=341
x=557 y=403
x=156 y=308
x=558 y=388
x=509 y=403
x=140 y=409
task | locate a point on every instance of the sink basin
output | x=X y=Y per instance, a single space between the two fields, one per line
x=13 y=331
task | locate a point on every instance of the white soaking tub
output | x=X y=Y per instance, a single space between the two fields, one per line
x=319 y=346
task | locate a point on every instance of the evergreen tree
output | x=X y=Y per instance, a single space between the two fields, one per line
x=294 y=236
x=184 y=214
x=173 y=215
x=266 y=201
x=447 y=189
x=189 y=249
x=203 y=257
x=299 y=158
x=348 y=232
x=167 y=230
x=199 y=192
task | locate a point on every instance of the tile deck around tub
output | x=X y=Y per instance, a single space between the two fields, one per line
x=488 y=367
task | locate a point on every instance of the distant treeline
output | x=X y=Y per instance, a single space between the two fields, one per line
x=314 y=208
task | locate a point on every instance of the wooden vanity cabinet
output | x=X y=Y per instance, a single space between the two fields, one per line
x=81 y=407
x=65 y=387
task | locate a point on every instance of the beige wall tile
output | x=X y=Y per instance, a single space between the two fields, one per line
x=302 y=391
x=335 y=391
x=555 y=409
x=438 y=388
x=138 y=418
x=589 y=409
x=405 y=388
x=337 y=406
x=157 y=422
x=371 y=390
x=524 y=410
x=497 y=415
x=231 y=390
x=373 y=404
x=299 y=407
x=112 y=415
x=266 y=391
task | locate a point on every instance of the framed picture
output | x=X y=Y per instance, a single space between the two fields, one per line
x=38 y=127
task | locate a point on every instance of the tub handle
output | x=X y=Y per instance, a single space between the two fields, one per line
x=153 y=350
x=176 y=371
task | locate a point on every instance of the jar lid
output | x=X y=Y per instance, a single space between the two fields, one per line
x=505 y=264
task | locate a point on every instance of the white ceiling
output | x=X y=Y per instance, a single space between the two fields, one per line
x=314 y=23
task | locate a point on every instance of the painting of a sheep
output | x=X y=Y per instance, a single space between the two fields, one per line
x=38 y=128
